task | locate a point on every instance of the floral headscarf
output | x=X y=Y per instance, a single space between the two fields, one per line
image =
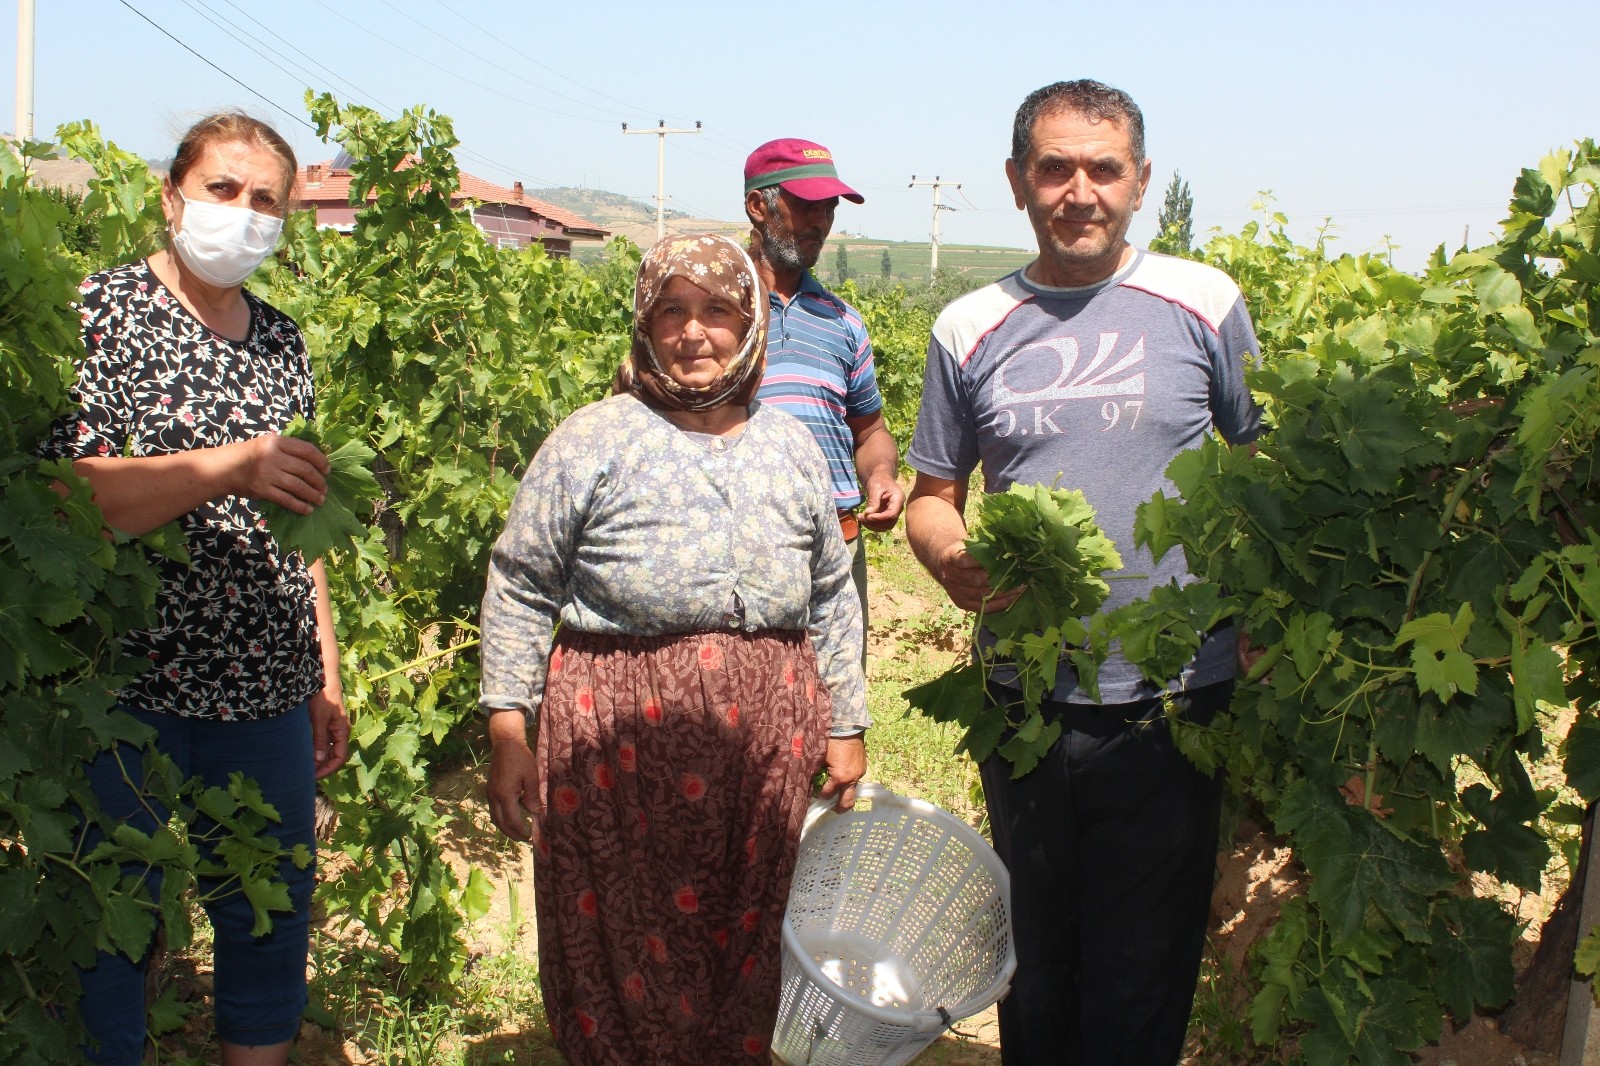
x=722 y=268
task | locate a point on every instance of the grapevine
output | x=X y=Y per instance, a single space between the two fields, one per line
x=1413 y=548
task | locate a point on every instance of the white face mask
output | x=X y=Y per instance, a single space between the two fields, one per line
x=223 y=244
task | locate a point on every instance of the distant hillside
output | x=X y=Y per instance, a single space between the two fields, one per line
x=627 y=217
x=606 y=208
x=908 y=261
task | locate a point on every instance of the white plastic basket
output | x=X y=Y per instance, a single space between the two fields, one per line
x=898 y=925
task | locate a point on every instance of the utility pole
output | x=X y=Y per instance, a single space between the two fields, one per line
x=937 y=207
x=23 y=129
x=661 y=132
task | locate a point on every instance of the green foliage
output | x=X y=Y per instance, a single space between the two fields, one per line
x=334 y=522
x=898 y=328
x=451 y=360
x=1046 y=541
x=80 y=227
x=442 y=363
x=70 y=884
x=1175 y=222
x=123 y=195
x=1413 y=547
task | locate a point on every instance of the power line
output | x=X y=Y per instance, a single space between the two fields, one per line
x=351 y=89
x=697 y=212
x=495 y=36
x=243 y=37
x=382 y=107
x=714 y=158
x=445 y=70
x=632 y=106
x=743 y=148
x=489 y=62
x=260 y=96
x=235 y=31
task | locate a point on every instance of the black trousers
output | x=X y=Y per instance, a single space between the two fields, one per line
x=1111 y=843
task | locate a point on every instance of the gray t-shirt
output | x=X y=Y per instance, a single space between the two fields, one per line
x=1095 y=388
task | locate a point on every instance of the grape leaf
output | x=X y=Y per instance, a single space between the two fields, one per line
x=476 y=895
x=168 y=1013
x=1472 y=954
x=1506 y=845
x=1355 y=861
x=1441 y=666
x=953 y=696
x=1582 y=759
x=334 y=523
x=1537 y=673
x=1586 y=960
x=1378 y=1031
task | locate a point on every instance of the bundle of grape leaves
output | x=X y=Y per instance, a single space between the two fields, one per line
x=334 y=523
x=1047 y=541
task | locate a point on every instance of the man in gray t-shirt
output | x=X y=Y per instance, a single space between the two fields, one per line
x=1091 y=368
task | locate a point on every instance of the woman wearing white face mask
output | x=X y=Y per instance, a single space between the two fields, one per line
x=186 y=385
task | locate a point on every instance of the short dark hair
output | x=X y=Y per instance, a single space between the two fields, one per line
x=1091 y=99
x=230 y=127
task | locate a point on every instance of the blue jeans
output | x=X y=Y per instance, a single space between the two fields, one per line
x=260 y=982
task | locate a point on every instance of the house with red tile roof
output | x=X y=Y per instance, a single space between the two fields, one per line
x=509 y=217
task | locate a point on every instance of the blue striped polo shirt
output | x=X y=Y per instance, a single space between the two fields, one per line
x=819 y=369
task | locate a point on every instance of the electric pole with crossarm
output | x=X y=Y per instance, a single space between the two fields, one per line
x=937 y=207
x=661 y=132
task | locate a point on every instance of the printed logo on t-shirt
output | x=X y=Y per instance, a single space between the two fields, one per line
x=1032 y=385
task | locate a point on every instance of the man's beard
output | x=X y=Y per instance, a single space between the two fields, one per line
x=784 y=252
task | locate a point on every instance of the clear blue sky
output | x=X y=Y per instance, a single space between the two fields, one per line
x=1404 y=118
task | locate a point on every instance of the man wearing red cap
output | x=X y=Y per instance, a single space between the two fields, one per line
x=819 y=359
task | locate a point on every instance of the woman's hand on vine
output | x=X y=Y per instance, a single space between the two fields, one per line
x=1246 y=655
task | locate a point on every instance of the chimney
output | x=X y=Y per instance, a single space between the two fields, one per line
x=314 y=174
x=516 y=190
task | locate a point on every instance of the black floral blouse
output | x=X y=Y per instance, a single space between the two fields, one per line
x=236 y=630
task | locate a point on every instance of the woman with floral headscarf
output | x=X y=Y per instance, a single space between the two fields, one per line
x=707 y=665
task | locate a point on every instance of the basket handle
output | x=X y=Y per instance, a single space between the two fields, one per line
x=865 y=790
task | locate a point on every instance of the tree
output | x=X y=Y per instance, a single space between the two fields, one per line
x=841 y=264
x=1176 y=220
x=886 y=265
x=80 y=229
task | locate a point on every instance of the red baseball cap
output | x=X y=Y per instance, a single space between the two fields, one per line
x=805 y=168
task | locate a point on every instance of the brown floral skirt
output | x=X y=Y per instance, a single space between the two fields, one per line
x=674 y=776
